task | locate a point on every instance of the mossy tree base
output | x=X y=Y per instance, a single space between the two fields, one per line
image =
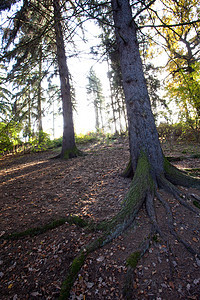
x=70 y=153
x=143 y=189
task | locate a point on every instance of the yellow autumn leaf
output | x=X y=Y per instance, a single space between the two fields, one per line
x=195 y=239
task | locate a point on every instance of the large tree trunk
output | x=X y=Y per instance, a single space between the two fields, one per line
x=142 y=130
x=68 y=147
x=150 y=168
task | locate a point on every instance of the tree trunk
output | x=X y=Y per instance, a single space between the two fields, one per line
x=68 y=147
x=143 y=135
x=39 y=102
x=97 y=126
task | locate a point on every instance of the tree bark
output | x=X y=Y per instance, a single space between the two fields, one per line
x=68 y=146
x=39 y=104
x=143 y=134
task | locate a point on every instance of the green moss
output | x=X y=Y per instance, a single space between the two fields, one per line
x=141 y=184
x=70 y=153
x=35 y=231
x=178 y=177
x=77 y=221
x=74 y=269
x=42 y=229
x=196 y=204
x=133 y=259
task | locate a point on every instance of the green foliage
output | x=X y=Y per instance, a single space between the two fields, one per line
x=178 y=132
x=86 y=138
x=40 y=142
x=56 y=143
x=9 y=136
x=185 y=90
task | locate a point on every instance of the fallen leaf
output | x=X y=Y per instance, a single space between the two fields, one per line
x=100 y=258
x=171 y=284
x=195 y=240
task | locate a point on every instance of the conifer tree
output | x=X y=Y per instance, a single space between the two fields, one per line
x=94 y=89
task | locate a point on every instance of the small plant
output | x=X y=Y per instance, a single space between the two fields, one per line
x=133 y=259
x=86 y=138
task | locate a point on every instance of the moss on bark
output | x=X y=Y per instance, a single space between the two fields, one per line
x=71 y=153
x=128 y=172
x=177 y=177
x=50 y=226
x=73 y=271
x=142 y=184
x=143 y=188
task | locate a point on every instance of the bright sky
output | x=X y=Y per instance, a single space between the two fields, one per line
x=84 y=117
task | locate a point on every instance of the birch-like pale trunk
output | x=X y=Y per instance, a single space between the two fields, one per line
x=143 y=134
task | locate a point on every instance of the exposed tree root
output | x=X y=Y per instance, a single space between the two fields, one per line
x=42 y=229
x=141 y=185
x=177 y=177
x=169 y=187
x=132 y=262
x=128 y=172
x=152 y=214
x=69 y=154
x=171 y=226
x=143 y=189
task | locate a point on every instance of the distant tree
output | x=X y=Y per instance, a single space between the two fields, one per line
x=32 y=25
x=94 y=89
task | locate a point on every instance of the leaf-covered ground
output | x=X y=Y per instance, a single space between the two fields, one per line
x=36 y=190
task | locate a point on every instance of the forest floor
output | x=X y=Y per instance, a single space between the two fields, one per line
x=36 y=190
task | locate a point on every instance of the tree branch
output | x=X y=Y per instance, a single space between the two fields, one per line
x=169 y=26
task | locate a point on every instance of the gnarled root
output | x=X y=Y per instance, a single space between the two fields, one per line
x=171 y=227
x=176 y=177
x=142 y=190
x=170 y=188
x=142 y=184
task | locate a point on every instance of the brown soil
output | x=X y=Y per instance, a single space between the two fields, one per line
x=36 y=190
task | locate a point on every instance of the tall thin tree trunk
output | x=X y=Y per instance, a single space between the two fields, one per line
x=53 y=121
x=142 y=130
x=112 y=99
x=97 y=125
x=119 y=114
x=68 y=146
x=39 y=100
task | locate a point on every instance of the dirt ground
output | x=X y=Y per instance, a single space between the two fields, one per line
x=35 y=190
